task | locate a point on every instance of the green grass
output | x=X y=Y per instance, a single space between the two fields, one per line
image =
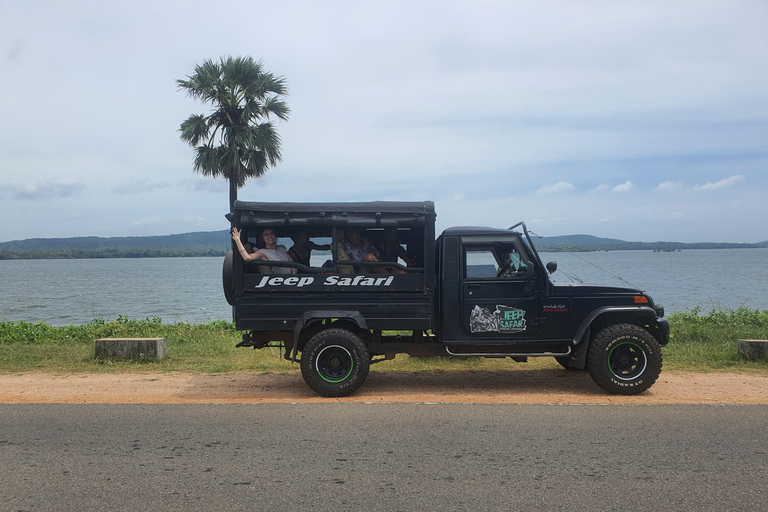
x=698 y=343
x=203 y=348
x=709 y=342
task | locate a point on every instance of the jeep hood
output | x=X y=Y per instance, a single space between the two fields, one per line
x=578 y=289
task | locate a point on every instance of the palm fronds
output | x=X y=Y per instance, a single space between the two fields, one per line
x=236 y=140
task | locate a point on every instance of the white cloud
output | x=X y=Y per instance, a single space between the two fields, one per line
x=560 y=186
x=727 y=182
x=602 y=188
x=670 y=186
x=677 y=214
x=214 y=185
x=41 y=191
x=624 y=187
x=138 y=186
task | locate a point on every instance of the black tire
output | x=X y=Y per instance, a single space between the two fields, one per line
x=335 y=362
x=228 y=278
x=624 y=359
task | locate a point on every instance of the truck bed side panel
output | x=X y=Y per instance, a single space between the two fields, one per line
x=406 y=311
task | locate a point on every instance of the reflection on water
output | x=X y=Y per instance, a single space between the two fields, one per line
x=61 y=292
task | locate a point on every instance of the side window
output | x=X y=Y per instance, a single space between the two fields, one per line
x=480 y=262
x=498 y=261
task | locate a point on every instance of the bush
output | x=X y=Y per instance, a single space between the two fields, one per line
x=711 y=340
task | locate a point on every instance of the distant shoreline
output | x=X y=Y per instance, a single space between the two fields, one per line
x=85 y=255
x=217 y=243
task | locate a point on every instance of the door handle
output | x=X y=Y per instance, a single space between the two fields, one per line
x=474 y=286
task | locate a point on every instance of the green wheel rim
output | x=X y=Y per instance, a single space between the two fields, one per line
x=334 y=364
x=627 y=361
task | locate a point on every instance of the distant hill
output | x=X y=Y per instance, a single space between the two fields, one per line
x=567 y=242
x=216 y=243
x=581 y=243
x=201 y=243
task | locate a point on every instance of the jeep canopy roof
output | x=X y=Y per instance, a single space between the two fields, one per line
x=364 y=214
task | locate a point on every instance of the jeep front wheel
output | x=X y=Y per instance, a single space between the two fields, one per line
x=624 y=359
x=335 y=362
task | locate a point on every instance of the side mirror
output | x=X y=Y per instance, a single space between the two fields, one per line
x=551 y=267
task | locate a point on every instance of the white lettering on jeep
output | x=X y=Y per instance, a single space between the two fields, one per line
x=300 y=282
x=285 y=281
x=358 y=281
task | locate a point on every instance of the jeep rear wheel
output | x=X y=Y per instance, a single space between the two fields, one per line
x=335 y=362
x=624 y=359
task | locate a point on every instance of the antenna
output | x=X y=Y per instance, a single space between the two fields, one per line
x=586 y=261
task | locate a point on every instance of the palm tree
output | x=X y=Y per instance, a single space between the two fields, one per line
x=236 y=140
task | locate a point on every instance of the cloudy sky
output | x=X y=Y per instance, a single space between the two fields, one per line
x=642 y=121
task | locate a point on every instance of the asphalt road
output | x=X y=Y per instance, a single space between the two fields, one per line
x=358 y=456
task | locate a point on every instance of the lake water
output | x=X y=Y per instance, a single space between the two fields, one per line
x=62 y=292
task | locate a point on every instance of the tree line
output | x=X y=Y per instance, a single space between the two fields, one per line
x=109 y=253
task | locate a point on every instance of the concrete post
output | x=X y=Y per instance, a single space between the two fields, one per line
x=131 y=348
x=753 y=350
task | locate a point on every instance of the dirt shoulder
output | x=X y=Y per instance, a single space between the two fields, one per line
x=528 y=386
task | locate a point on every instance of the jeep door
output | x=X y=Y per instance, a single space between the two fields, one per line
x=500 y=295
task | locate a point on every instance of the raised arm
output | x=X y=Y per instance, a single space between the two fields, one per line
x=315 y=247
x=258 y=255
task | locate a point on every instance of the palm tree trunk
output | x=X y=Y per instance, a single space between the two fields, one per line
x=232 y=195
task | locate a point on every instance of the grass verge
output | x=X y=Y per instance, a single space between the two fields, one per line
x=698 y=343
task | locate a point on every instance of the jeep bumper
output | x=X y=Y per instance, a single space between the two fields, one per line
x=663 y=335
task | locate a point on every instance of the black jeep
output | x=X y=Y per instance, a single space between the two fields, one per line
x=472 y=291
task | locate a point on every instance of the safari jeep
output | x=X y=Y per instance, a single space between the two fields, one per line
x=472 y=291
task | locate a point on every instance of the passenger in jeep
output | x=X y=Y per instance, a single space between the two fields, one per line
x=270 y=251
x=391 y=250
x=302 y=248
x=360 y=248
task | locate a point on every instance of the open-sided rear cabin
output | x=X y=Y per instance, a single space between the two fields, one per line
x=332 y=286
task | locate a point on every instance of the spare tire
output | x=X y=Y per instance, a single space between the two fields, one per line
x=228 y=277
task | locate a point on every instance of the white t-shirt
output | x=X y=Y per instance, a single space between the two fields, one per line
x=279 y=253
